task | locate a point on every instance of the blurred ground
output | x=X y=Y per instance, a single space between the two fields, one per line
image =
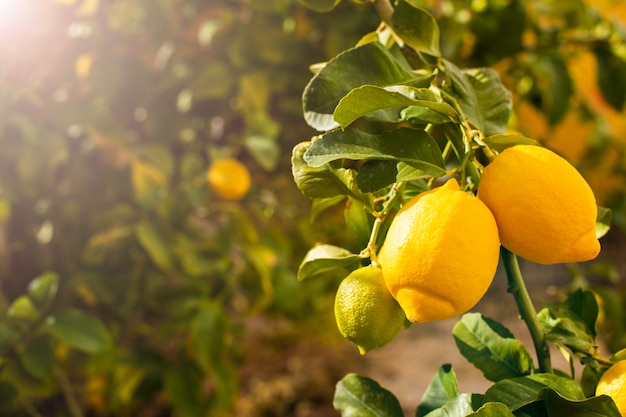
x=288 y=376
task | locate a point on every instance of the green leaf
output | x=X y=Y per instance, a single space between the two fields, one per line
x=483 y=98
x=182 y=383
x=320 y=5
x=603 y=221
x=155 y=244
x=8 y=337
x=499 y=143
x=459 y=406
x=367 y=64
x=416 y=27
x=442 y=388
x=208 y=332
x=43 y=289
x=322 y=182
x=23 y=308
x=519 y=392
x=264 y=149
x=324 y=258
x=492 y=409
x=79 y=330
x=602 y=406
x=491 y=347
x=376 y=174
x=369 y=98
x=357 y=396
x=415 y=147
x=566 y=331
x=611 y=77
x=358 y=220
x=38 y=358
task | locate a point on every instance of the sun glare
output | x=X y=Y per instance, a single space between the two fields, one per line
x=13 y=14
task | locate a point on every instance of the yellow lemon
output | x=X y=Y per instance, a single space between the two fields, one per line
x=440 y=254
x=365 y=311
x=545 y=210
x=229 y=179
x=613 y=384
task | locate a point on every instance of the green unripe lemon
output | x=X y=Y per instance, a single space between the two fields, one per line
x=365 y=311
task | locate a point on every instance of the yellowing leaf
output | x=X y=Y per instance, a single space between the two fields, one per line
x=147 y=180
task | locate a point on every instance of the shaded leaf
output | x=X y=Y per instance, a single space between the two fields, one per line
x=357 y=396
x=155 y=244
x=491 y=347
x=38 y=358
x=208 y=331
x=416 y=27
x=611 y=78
x=79 y=330
x=376 y=174
x=323 y=258
x=442 y=388
x=500 y=142
x=602 y=406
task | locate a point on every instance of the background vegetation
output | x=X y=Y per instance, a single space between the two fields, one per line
x=125 y=282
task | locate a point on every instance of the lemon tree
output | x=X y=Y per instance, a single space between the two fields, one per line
x=439 y=189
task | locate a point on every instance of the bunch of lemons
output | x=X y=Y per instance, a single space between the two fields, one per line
x=442 y=248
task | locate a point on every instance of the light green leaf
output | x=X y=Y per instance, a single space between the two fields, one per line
x=366 y=64
x=499 y=143
x=442 y=388
x=492 y=409
x=155 y=244
x=417 y=27
x=79 y=330
x=518 y=392
x=483 y=98
x=324 y=258
x=603 y=221
x=491 y=347
x=415 y=147
x=322 y=182
x=264 y=149
x=357 y=396
x=459 y=406
x=369 y=98
x=23 y=308
x=43 y=289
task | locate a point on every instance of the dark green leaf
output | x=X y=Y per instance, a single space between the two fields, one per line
x=320 y=5
x=483 y=98
x=602 y=406
x=611 y=77
x=519 y=392
x=407 y=145
x=182 y=386
x=323 y=258
x=491 y=348
x=442 y=388
x=79 y=330
x=8 y=337
x=584 y=305
x=38 y=358
x=603 y=221
x=43 y=289
x=208 y=333
x=357 y=396
x=368 y=98
x=498 y=28
x=376 y=174
x=367 y=64
x=567 y=332
x=459 y=406
x=500 y=142
x=492 y=409
x=416 y=27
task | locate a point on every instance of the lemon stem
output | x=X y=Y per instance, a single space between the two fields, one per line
x=517 y=287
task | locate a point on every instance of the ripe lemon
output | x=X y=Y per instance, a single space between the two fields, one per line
x=440 y=254
x=545 y=210
x=229 y=179
x=365 y=311
x=613 y=384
